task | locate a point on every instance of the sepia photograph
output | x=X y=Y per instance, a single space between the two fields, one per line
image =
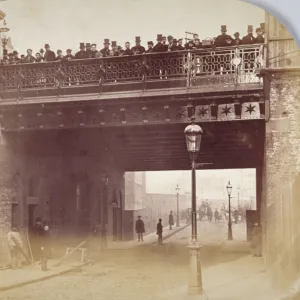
x=149 y=150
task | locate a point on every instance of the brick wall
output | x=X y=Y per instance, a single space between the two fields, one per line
x=281 y=190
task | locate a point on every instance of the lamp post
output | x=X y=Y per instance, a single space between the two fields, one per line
x=229 y=189
x=4 y=39
x=104 y=180
x=177 y=215
x=193 y=134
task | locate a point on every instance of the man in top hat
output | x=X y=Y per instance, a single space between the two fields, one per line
x=69 y=55
x=224 y=40
x=127 y=50
x=159 y=47
x=180 y=44
x=88 y=50
x=105 y=51
x=150 y=47
x=138 y=49
x=259 y=36
x=114 y=48
x=49 y=55
x=249 y=38
x=81 y=54
x=237 y=40
x=93 y=50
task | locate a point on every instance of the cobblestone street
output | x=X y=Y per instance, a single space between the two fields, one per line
x=149 y=272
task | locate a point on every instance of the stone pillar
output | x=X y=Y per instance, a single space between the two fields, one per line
x=281 y=169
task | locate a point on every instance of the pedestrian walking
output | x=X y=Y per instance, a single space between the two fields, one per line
x=171 y=220
x=140 y=228
x=217 y=215
x=45 y=246
x=159 y=231
x=15 y=245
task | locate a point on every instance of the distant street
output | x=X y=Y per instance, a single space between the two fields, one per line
x=142 y=273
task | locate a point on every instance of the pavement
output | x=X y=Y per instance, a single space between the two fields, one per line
x=10 y=279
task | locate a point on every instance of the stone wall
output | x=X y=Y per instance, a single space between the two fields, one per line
x=281 y=189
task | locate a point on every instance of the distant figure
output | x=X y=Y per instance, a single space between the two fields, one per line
x=217 y=215
x=209 y=214
x=15 y=246
x=45 y=246
x=171 y=220
x=256 y=240
x=159 y=231
x=140 y=228
x=236 y=216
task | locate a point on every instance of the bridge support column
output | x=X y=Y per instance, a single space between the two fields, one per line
x=281 y=171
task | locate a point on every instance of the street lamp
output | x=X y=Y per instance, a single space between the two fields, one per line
x=104 y=180
x=177 y=216
x=229 y=190
x=193 y=134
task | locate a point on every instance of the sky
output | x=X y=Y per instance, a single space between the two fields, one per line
x=65 y=23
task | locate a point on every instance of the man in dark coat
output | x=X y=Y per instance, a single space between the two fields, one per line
x=237 y=41
x=93 y=51
x=49 y=55
x=249 y=55
x=174 y=46
x=224 y=40
x=159 y=47
x=138 y=49
x=105 y=51
x=69 y=55
x=150 y=47
x=29 y=58
x=259 y=36
x=249 y=38
x=140 y=228
x=127 y=50
x=88 y=50
x=81 y=54
x=159 y=231
x=171 y=220
x=180 y=43
x=60 y=56
x=114 y=47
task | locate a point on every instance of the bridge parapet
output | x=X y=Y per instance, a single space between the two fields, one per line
x=227 y=67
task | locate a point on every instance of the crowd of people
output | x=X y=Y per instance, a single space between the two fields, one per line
x=163 y=44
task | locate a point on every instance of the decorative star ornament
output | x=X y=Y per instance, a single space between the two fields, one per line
x=226 y=110
x=250 y=109
x=203 y=111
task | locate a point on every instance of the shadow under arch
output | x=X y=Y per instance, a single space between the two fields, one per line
x=276 y=11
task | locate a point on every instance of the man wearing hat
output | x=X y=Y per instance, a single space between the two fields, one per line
x=105 y=51
x=49 y=55
x=150 y=47
x=249 y=38
x=140 y=228
x=237 y=40
x=59 y=56
x=170 y=42
x=127 y=50
x=16 y=57
x=81 y=54
x=159 y=47
x=259 y=36
x=224 y=40
x=88 y=50
x=180 y=44
x=114 y=47
x=138 y=49
x=69 y=55
x=164 y=42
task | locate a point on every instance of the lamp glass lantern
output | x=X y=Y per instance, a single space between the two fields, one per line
x=229 y=188
x=193 y=135
x=177 y=189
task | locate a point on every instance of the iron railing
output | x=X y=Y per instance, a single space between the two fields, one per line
x=231 y=65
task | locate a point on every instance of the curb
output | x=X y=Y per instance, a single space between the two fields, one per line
x=9 y=287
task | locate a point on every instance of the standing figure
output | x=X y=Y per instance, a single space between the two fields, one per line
x=217 y=215
x=140 y=228
x=256 y=240
x=259 y=36
x=236 y=216
x=180 y=46
x=105 y=51
x=15 y=246
x=127 y=50
x=138 y=49
x=237 y=40
x=159 y=231
x=150 y=47
x=45 y=246
x=49 y=55
x=171 y=220
x=82 y=53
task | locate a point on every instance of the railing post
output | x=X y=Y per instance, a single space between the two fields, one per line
x=189 y=68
